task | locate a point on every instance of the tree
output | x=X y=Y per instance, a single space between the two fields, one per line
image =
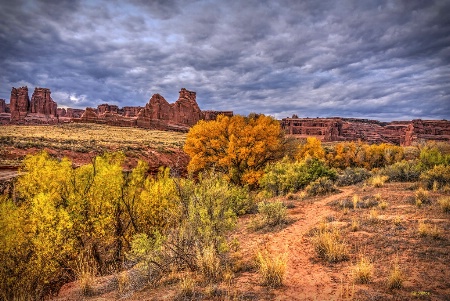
x=237 y=146
x=312 y=148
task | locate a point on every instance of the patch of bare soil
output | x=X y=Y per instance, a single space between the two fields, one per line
x=385 y=236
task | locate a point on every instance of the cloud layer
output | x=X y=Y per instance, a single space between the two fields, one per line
x=386 y=60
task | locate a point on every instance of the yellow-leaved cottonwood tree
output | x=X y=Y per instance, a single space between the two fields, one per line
x=238 y=146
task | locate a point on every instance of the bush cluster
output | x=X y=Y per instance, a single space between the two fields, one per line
x=283 y=177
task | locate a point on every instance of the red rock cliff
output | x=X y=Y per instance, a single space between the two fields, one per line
x=42 y=102
x=19 y=103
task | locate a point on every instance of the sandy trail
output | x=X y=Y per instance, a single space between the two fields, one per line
x=305 y=279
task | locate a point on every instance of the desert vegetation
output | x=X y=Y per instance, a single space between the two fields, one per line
x=259 y=217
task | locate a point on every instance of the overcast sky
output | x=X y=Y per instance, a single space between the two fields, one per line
x=385 y=60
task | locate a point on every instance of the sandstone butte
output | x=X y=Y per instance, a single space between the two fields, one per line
x=185 y=112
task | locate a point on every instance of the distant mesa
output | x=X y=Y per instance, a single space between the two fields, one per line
x=185 y=112
x=156 y=114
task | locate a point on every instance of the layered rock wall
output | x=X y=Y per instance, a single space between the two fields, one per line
x=371 y=131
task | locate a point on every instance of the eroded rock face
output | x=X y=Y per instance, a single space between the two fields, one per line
x=2 y=106
x=131 y=111
x=42 y=102
x=418 y=129
x=212 y=115
x=159 y=114
x=104 y=108
x=89 y=115
x=19 y=103
x=371 y=131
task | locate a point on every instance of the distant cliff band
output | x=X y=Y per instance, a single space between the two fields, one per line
x=185 y=112
x=156 y=114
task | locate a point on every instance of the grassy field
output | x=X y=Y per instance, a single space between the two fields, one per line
x=77 y=139
x=85 y=136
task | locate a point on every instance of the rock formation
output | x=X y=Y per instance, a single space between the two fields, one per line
x=371 y=131
x=131 y=111
x=185 y=112
x=19 y=103
x=181 y=115
x=2 y=106
x=212 y=115
x=89 y=115
x=42 y=103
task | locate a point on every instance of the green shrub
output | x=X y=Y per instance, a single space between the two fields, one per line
x=350 y=176
x=320 y=186
x=272 y=213
x=439 y=174
x=403 y=171
x=435 y=154
x=284 y=177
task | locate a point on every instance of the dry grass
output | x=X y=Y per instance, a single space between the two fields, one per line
x=187 y=286
x=329 y=245
x=209 y=265
x=85 y=137
x=444 y=203
x=378 y=181
x=362 y=270
x=372 y=217
x=422 y=197
x=271 y=268
x=396 y=278
x=85 y=272
x=383 y=205
x=355 y=225
x=356 y=199
x=425 y=229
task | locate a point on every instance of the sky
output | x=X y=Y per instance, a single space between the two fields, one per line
x=385 y=60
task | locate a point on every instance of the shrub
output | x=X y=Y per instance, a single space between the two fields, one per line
x=320 y=186
x=403 y=171
x=435 y=154
x=444 y=202
x=329 y=245
x=272 y=213
x=208 y=263
x=378 y=180
x=422 y=196
x=271 y=268
x=351 y=176
x=439 y=174
x=395 y=278
x=283 y=177
x=362 y=270
x=383 y=205
x=427 y=230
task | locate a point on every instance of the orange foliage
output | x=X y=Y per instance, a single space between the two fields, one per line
x=237 y=146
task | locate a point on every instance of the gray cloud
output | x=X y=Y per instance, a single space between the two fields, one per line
x=370 y=59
